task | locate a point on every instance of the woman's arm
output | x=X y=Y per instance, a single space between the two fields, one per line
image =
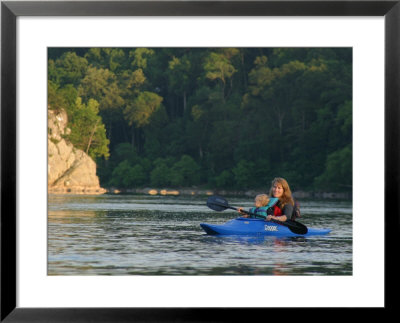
x=286 y=214
x=281 y=218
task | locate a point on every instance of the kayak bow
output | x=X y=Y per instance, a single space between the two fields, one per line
x=249 y=226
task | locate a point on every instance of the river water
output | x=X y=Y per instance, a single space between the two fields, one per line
x=161 y=235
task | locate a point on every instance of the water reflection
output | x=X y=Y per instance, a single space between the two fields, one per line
x=65 y=216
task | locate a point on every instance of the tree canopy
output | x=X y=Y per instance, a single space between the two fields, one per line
x=210 y=117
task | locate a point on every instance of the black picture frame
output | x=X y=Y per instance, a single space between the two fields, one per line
x=10 y=10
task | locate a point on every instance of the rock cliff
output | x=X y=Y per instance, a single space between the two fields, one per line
x=70 y=170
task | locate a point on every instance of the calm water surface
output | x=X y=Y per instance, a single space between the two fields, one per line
x=161 y=235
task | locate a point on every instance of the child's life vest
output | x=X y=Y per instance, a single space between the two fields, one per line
x=263 y=211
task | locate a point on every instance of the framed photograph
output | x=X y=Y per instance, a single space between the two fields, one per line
x=38 y=282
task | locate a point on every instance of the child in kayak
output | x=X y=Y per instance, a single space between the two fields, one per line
x=260 y=202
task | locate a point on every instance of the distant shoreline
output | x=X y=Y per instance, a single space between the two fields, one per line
x=199 y=192
x=208 y=192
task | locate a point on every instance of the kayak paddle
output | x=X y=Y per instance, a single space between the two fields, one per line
x=218 y=203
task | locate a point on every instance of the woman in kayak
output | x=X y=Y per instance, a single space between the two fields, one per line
x=283 y=210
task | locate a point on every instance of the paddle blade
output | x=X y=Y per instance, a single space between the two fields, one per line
x=217 y=203
x=297 y=227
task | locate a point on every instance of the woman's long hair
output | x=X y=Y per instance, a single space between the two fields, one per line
x=287 y=193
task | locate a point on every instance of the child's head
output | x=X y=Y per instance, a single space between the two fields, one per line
x=261 y=200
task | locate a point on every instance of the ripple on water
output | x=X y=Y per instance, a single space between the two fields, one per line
x=154 y=235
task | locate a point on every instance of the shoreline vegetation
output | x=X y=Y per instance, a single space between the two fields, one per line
x=209 y=192
x=230 y=119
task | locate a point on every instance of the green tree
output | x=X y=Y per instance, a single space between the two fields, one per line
x=218 y=66
x=244 y=174
x=188 y=171
x=68 y=69
x=161 y=174
x=338 y=171
x=139 y=57
x=138 y=113
x=344 y=120
x=138 y=175
x=87 y=130
x=127 y=176
x=113 y=59
x=179 y=78
x=55 y=100
x=142 y=108
x=224 y=179
x=124 y=151
x=101 y=84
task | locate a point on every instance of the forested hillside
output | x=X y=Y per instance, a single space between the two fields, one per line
x=209 y=117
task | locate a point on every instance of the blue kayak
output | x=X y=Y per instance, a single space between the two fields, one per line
x=249 y=226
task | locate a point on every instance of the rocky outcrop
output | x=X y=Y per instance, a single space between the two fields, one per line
x=70 y=170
